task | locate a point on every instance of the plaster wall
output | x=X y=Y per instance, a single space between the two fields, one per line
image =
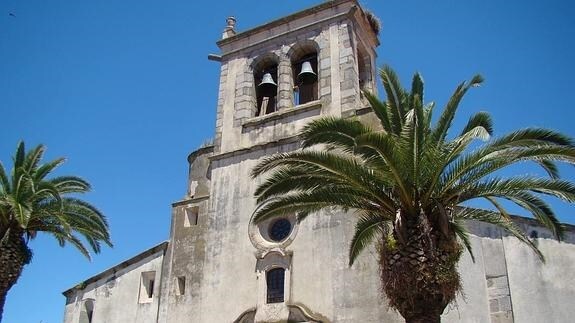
x=116 y=296
x=542 y=292
x=226 y=263
x=320 y=279
x=229 y=286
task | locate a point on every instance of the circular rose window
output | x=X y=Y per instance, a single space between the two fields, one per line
x=280 y=229
x=277 y=232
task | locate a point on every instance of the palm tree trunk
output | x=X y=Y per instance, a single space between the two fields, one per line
x=419 y=272
x=427 y=319
x=14 y=255
x=424 y=318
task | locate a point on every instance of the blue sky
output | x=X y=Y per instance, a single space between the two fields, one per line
x=124 y=90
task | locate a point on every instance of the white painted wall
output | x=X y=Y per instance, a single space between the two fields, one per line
x=542 y=292
x=116 y=296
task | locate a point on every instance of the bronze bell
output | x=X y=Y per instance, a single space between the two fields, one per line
x=268 y=88
x=306 y=75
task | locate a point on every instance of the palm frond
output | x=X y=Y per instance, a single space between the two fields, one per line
x=461 y=232
x=381 y=111
x=496 y=219
x=487 y=160
x=368 y=227
x=345 y=168
x=446 y=118
x=70 y=184
x=64 y=237
x=384 y=146
x=4 y=181
x=417 y=87
x=538 y=208
x=33 y=158
x=550 y=167
x=408 y=143
x=46 y=191
x=563 y=190
x=532 y=136
x=443 y=173
x=20 y=155
x=48 y=167
x=312 y=201
x=419 y=130
x=79 y=209
x=303 y=178
x=333 y=132
x=395 y=97
x=32 y=202
x=480 y=119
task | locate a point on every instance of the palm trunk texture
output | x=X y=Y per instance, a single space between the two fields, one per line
x=419 y=272
x=14 y=254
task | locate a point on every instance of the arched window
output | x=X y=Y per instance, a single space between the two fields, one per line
x=303 y=56
x=275 y=279
x=265 y=69
x=305 y=76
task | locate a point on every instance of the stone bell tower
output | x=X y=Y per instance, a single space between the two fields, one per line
x=334 y=41
x=274 y=79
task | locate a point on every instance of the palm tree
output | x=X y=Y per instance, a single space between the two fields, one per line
x=405 y=181
x=30 y=202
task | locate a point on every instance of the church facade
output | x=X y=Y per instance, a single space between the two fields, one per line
x=220 y=266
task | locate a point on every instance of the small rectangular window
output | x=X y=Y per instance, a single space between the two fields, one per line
x=181 y=285
x=275 y=285
x=147 y=286
x=191 y=216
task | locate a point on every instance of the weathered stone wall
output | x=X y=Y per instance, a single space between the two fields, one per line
x=507 y=282
x=541 y=292
x=116 y=292
x=334 y=32
x=230 y=269
x=231 y=283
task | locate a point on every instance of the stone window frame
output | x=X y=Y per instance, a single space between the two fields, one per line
x=180 y=285
x=259 y=233
x=266 y=262
x=147 y=287
x=191 y=216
